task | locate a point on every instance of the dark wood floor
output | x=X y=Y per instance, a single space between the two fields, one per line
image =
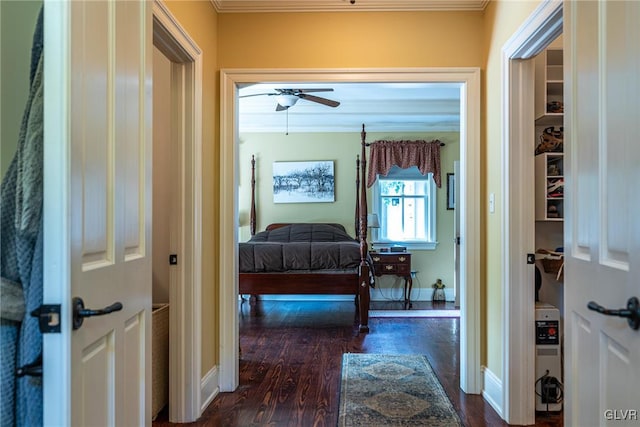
x=291 y=361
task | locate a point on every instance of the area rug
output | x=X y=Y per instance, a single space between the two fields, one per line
x=392 y=390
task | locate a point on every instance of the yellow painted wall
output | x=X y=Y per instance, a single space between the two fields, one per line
x=502 y=20
x=366 y=39
x=342 y=149
x=199 y=19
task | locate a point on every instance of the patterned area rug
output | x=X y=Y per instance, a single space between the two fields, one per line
x=392 y=390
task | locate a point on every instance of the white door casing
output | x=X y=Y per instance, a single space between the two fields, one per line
x=97 y=213
x=516 y=402
x=602 y=230
x=189 y=392
x=470 y=374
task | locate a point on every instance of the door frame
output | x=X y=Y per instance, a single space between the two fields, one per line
x=517 y=404
x=470 y=207
x=185 y=396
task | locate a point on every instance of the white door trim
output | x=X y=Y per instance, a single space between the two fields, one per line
x=470 y=336
x=184 y=295
x=540 y=29
x=56 y=216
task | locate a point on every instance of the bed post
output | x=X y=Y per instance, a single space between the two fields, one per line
x=252 y=219
x=357 y=216
x=363 y=278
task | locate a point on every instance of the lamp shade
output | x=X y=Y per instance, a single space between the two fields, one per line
x=372 y=220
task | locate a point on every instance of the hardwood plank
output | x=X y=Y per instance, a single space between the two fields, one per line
x=291 y=359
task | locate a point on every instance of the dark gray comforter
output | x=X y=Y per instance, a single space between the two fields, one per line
x=300 y=247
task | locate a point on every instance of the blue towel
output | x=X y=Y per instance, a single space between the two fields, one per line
x=21 y=198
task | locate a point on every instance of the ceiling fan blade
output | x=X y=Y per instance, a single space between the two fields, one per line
x=319 y=100
x=257 y=94
x=313 y=90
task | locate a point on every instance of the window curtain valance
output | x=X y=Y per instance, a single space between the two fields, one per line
x=404 y=154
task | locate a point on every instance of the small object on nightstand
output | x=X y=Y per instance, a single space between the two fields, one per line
x=438 y=291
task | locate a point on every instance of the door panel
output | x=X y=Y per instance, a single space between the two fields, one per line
x=134 y=368
x=107 y=72
x=97 y=383
x=602 y=227
x=91 y=142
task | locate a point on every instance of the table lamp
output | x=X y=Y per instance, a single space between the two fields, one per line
x=372 y=222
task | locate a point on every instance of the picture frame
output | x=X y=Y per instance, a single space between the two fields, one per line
x=451 y=189
x=304 y=182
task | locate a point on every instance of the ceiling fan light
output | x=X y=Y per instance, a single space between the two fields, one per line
x=287 y=100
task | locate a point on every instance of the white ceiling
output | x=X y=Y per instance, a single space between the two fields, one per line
x=382 y=107
x=345 y=5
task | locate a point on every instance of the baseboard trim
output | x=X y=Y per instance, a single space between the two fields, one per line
x=374 y=297
x=492 y=391
x=414 y=313
x=209 y=388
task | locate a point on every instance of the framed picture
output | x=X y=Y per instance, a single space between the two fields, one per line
x=303 y=182
x=451 y=190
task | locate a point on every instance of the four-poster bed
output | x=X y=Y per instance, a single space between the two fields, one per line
x=344 y=272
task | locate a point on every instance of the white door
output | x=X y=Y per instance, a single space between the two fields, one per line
x=98 y=210
x=602 y=228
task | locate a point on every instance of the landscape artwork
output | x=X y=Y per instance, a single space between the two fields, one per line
x=303 y=182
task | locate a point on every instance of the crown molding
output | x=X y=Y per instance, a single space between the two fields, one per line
x=236 y=6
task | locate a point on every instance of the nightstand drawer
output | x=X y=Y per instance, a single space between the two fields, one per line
x=393 y=264
x=390 y=259
x=386 y=268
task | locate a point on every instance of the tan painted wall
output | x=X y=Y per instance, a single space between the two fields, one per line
x=502 y=20
x=343 y=40
x=342 y=149
x=199 y=19
x=367 y=39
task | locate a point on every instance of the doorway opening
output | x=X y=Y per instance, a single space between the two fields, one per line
x=326 y=125
x=470 y=379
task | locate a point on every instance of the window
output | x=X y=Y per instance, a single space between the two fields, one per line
x=405 y=202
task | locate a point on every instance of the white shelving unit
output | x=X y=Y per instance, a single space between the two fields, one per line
x=549 y=115
x=549 y=172
x=549 y=87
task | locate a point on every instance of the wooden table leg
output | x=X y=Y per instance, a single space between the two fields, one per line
x=407 y=291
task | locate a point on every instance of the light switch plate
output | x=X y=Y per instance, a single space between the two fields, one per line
x=492 y=202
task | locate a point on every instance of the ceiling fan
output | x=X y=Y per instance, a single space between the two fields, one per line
x=287 y=98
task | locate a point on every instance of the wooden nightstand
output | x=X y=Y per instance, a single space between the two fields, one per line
x=395 y=264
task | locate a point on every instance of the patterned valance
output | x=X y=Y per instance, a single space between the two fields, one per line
x=404 y=154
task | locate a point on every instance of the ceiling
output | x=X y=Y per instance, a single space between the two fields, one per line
x=345 y=5
x=382 y=107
